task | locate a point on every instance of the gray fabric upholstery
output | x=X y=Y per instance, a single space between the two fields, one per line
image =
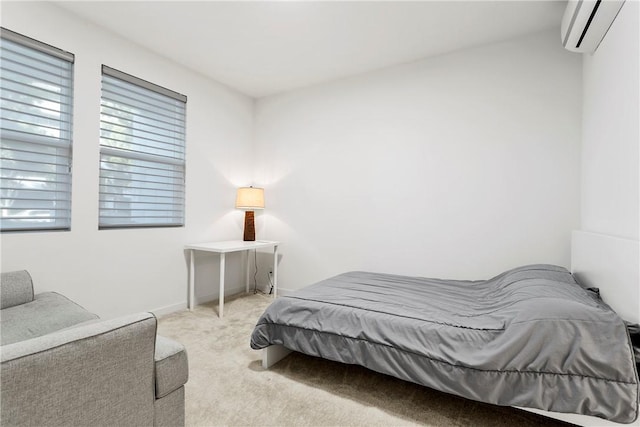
x=48 y=312
x=537 y=337
x=62 y=365
x=97 y=374
x=172 y=370
x=16 y=287
x=169 y=411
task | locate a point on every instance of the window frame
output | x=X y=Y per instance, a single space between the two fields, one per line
x=33 y=144
x=155 y=154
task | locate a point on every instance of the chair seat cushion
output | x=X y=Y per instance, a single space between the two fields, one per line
x=172 y=369
x=48 y=312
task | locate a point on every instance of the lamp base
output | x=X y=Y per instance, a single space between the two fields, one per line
x=249 y=227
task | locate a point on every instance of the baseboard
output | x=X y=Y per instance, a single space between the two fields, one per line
x=173 y=308
x=202 y=299
x=283 y=292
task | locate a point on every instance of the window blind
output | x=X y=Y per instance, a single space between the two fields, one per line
x=35 y=134
x=142 y=153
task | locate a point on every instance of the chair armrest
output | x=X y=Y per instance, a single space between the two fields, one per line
x=172 y=366
x=95 y=374
x=16 y=288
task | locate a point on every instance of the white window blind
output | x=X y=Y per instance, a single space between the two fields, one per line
x=142 y=153
x=35 y=134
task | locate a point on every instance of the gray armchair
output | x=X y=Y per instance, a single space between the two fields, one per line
x=61 y=365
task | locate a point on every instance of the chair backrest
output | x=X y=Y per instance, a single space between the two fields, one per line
x=16 y=287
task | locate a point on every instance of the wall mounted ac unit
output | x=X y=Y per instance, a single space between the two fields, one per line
x=585 y=23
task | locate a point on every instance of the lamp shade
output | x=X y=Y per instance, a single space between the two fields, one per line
x=250 y=198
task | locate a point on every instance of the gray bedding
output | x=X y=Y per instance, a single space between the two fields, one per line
x=529 y=337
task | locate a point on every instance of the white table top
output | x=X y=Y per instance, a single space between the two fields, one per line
x=230 y=245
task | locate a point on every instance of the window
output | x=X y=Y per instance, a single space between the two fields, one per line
x=35 y=134
x=142 y=135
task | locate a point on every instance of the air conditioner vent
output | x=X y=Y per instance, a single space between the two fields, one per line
x=586 y=22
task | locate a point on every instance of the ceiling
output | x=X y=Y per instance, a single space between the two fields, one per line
x=266 y=47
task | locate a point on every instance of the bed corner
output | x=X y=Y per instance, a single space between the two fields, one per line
x=273 y=354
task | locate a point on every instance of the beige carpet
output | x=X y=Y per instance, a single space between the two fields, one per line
x=227 y=385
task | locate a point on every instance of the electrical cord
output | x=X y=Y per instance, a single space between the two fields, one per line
x=255 y=276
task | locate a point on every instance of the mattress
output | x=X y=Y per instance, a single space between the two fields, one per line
x=530 y=337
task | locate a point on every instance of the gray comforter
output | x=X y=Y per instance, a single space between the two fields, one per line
x=529 y=337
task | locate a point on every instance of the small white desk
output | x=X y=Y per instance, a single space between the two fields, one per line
x=224 y=248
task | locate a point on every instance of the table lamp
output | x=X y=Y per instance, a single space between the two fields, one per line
x=249 y=199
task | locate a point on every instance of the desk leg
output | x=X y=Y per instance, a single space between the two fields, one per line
x=246 y=270
x=275 y=271
x=221 y=300
x=192 y=278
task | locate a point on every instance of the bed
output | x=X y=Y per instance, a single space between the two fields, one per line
x=530 y=337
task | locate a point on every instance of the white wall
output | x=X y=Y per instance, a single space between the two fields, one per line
x=457 y=166
x=461 y=165
x=610 y=148
x=112 y=272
